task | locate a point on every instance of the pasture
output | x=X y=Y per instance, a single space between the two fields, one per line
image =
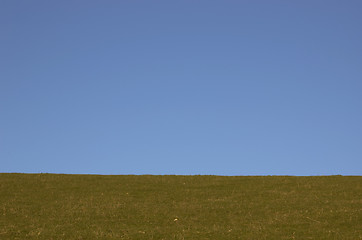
x=56 y=206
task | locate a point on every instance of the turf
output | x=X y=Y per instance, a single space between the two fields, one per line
x=54 y=206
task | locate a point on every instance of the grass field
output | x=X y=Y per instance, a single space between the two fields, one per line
x=52 y=206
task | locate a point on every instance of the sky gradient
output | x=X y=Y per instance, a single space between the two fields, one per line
x=181 y=87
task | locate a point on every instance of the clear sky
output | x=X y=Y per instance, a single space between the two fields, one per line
x=181 y=87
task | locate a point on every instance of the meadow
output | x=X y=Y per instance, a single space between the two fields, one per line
x=56 y=206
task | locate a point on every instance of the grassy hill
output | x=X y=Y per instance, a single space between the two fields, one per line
x=54 y=206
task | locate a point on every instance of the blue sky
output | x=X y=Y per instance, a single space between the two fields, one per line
x=181 y=87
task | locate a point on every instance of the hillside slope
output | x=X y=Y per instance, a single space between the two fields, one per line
x=55 y=206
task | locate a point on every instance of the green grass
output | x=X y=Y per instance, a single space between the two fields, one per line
x=52 y=206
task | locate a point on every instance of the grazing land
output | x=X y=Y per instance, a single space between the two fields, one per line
x=56 y=206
